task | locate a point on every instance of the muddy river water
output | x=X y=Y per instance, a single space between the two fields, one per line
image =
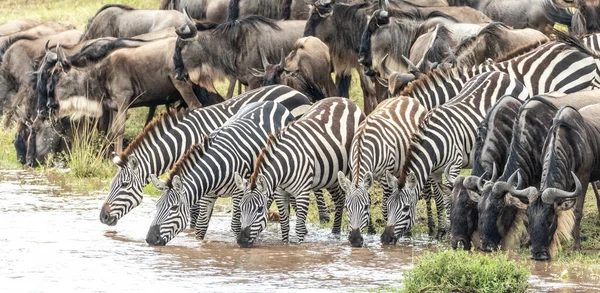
x=52 y=241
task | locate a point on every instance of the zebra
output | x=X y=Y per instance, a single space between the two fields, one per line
x=305 y=155
x=445 y=137
x=166 y=138
x=206 y=170
x=553 y=66
x=379 y=145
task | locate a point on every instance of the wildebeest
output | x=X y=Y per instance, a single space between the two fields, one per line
x=130 y=77
x=199 y=59
x=515 y=13
x=17 y=25
x=15 y=71
x=217 y=10
x=118 y=20
x=570 y=160
x=43 y=30
x=489 y=153
x=494 y=41
x=308 y=62
x=497 y=213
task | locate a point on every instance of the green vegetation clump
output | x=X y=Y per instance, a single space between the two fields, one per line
x=463 y=271
x=87 y=154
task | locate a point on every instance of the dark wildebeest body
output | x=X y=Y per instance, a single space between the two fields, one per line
x=217 y=10
x=585 y=19
x=199 y=58
x=490 y=151
x=122 y=21
x=43 y=30
x=130 y=77
x=494 y=41
x=571 y=157
x=307 y=65
x=15 y=71
x=17 y=25
x=515 y=13
x=531 y=127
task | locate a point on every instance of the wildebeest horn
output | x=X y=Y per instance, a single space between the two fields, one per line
x=187 y=30
x=62 y=57
x=413 y=68
x=494 y=172
x=46 y=47
x=530 y=193
x=282 y=61
x=263 y=58
x=384 y=4
x=384 y=67
x=551 y=194
x=481 y=182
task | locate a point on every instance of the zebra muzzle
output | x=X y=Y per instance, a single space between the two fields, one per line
x=355 y=238
x=153 y=237
x=388 y=237
x=105 y=216
x=244 y=239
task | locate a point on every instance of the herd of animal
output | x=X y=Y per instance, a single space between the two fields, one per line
x=447 y=85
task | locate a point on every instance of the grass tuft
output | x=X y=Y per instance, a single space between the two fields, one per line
x=86 y=156
x=463 y=271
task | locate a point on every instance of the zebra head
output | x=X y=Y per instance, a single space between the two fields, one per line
x=173 y=212
x=125 y=190
x=358 y=203
x=253 y=209
x=400 y=208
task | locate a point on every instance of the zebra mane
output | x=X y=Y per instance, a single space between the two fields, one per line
x=359 y=141
x=520 y=51
x=168 y=118
x=196 y=150
x=435 y=74
x=260 y=160
x=415 y=140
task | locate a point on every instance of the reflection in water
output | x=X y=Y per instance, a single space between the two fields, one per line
x=51 y=243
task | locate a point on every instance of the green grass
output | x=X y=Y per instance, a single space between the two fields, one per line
x=463 y=271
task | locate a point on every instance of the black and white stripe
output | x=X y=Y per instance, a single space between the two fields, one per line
x=379 y=146
x=206 y=171
x=166 y=139
x=304 y=156
x=446 y=137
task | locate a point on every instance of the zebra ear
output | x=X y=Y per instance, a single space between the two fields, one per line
x=159 y=184
x=343 y=181
x=132 y=162
x=391 y=180
x=261 y=183
x=240 y=182
x=176 y=183
x=116 y=159
x=411 y=180
x=368 y=181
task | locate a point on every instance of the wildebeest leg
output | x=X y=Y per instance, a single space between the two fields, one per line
x=578 y=215
x=231 y=87
x=323 y=214
x=369 y=96
x=595 y=186
x=151 y=111
x=12 y=106
x=343 y=81
x=118 y=128
x=207 y=203
x=187 y=93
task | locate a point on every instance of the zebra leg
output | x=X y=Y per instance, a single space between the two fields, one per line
x=206 y=204
x=194 y=212
x=236 y=222
x=323 y=214
x=430 y=224
x=283 y=205
x=302 y=201
x=338 y=198
x=441 y=207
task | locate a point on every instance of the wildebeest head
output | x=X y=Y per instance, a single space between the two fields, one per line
x=499 y=217
x=319 y=10
x=379 y=18
x=186 y=32
x=549 y=213
x=463 y=215
x=397 y=82
x=51 y=66
x=272 y=72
